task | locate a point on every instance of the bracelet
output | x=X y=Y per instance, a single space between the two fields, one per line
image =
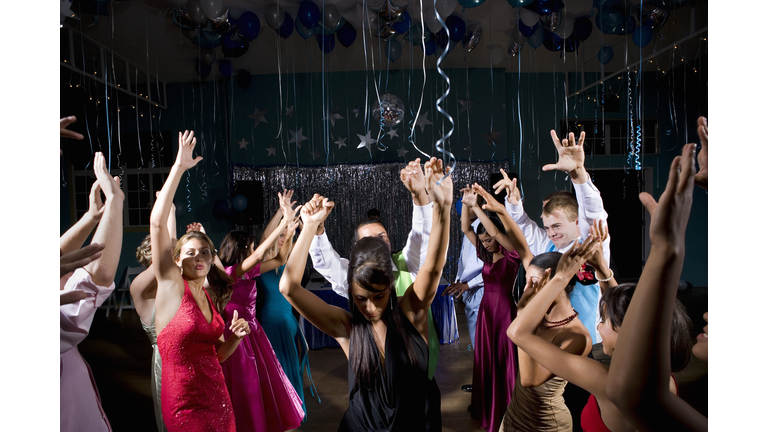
x=606 y=279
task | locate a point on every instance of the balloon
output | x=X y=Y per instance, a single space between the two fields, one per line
x=331 y=16
x=274 y=16
x=233 y=45
x=552 y=20
x=445 y=7
x=389 y=112
x=303 y=31
x=628 y=27
x=528 y=18
x=570 y=44
x=519 y=3
x=190 y=34
x=552 y=42
x=206 y=39
x=472 y=38
x=195 y=12
x=403 y=24
x=382 y=31
x=212 y=8
x=537 y=38
x=394 y=49
x=655 y=18
x=309 y=14
x=239 y=202
x=221 y=24
x=249 y=25
x=325 y=42
x=416 y=34
x=565 y=29
x=471 y=3
x=389 y=13
x=244 y=78
x=287 y=28
x=642 y=35
x=441 y=38
x=582 y=28
x=207 y=56
x=669 y=4
x=346 y=35
x=456 y=27
x=525 y=30
x=609 y=21
x=605 y=55
x=543 y=7
x=514 y=49
x=518 y=36
x=202 y=70
x=429 y=47
x=431 y=21
x=225 y=68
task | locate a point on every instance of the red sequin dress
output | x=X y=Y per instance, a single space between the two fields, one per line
x=194 y=396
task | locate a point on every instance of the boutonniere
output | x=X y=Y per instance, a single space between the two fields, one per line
x=586 y=275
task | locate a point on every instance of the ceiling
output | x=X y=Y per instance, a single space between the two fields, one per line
x=142 y=32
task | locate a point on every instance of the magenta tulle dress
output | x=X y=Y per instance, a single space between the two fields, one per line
x=262 y=396
x=493 y=378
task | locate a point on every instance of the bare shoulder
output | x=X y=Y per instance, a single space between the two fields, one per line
x=574 y=339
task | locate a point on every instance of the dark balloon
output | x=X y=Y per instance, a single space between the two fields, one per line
x=472 y=3
x=518 y=3
x=303 y=31
x=207 y=56
x=610 y=21
x=225 y=68
x=629 y=26
x=642 y=35
x=403 y=24
x=346 y=35
x=570 y=44
x=309 y=14
x=429 y=47
x=233 y=45
x=244 y=78
x=456 y=27
x=249 y=25
x=202 y=70
x=287 y=28
x=441 y=38
x=582 y=28
x=552 y=41
x=655 y=18
x=543 y=7
x=325 y=42
x=669 y=4
x=605 y=55
x=525 y=30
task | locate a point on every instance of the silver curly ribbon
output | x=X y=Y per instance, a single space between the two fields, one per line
x=440 y=144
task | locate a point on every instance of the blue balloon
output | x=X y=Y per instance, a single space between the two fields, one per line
x=642 y=35
x=202 y=70
x=239 y=202
x=605 y=55
x=471 y=3
x=525 y=30
x=456 y=28
x=582 y=28
x=207 y=39
x=552 y=41
x=605 y=3
x=233 y=45
x=309 y=14
x=518 y=3
x=537 y=38
x=346 y=35
x=303 y=31
x=249 y=25
x=325 y=42
x=394 y=49
x=403 y=24
x=570 y=44
x=429 y=47
x=287 y=28
x=543 y=7
x=610 y=21
x=628 y=27
x=225 y=68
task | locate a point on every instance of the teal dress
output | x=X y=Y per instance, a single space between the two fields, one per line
x=284 y=334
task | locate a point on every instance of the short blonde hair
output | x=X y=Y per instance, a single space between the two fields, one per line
x=567 y=204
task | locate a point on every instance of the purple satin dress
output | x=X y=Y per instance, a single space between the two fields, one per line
x=493 y=378
x=262 y=396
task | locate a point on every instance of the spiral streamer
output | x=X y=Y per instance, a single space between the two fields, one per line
x=440 y=144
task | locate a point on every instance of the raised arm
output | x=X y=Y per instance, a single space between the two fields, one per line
x=570 y=157
x=282 y=255
x=603 y=272
x=414 y=180
x=702 y=177
x=261 y=251
x=331 y=320
x=638 y=381
x=79 y=258
x=514 y=236
x=468 y=202
x=74 y=238
x=285 y=199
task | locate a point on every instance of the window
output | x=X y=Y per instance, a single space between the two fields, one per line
x=612 y=137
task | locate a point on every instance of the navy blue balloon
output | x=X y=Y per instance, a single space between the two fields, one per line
x=610 y=21
x=582 y=28
x=570 y=44
x=239 y=202
x=642 y=35
x=249 y=25
x=429 y=47
x=552 y=41
x=233 y=45
x=346 y=35
x=202 y=70
x=325 y=42
x=403 y=24
x=303 y=31
x=471 y=3
x=244 y=79
x=525 y=30
x=441 y=38
x=456 y=27
x=309 y=14
x=225 y=68
x=543 y=7
x=287 y=28
x=605 y=55
x=629 y=26
x=518 y=3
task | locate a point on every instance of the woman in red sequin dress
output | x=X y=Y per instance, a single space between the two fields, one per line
x=189 y=330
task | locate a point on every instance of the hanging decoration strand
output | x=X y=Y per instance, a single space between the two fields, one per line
x=440 y=144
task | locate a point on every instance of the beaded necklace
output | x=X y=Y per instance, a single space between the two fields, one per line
x=562 y=322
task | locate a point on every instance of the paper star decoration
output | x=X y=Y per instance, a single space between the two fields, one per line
x=332 y=115
x=422 y=121
x=297 y=137
x=357 y=111
x=491 y=136
x=289 y=111
x=466 y=105
x=318 y=155
x=402 y=152
x=243 y=144
x=341 y=142
x=271 y=151
x=258 y=116
x=392 y=133
x=366 y=141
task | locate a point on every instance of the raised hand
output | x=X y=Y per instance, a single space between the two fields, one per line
x=293 y=224
x=575 y=257
x=513 y=193
x=66 y=133
x=239 y=327
x=286 y=205
x=413 y=177
x=598 y=230
x=95 y=204
x=187 y=143
x=108 y=184
x=570 y=155
x=80 y=258
x=316 y=210
x=195 y=226
x=441 y=194
x=532 y=287
x=702 y=177
x=469 y=197
x=669 y=217
x=491 y=204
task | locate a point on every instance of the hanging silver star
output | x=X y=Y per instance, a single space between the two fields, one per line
x=402 y=152
x=341 y=142
x=366 y=141
x=243 y=144
x=333 y=115
x=422 y=120
x=297 y=137
x=467 y=104
x=271 y=151
x=317 y=155
x=258 y=116
x=289 y=111
x=392 y=133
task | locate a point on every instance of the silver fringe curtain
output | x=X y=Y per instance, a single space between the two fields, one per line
x=357 y=188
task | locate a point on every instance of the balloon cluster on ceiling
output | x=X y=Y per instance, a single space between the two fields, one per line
x=207 y=23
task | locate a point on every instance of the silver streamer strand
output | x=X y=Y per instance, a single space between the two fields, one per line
x=376 y=186
x=440 y=144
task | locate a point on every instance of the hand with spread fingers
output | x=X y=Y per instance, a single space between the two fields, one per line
x=491 y=204
x=79 y=258
x=66 y=133
x=513 y=193
x=187 y=143
x=570 y=157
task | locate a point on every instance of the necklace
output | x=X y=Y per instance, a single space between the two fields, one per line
x=562 y=322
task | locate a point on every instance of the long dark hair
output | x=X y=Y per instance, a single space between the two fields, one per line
x=220 y=282
x=235 y=248
x=614 y=305
x=549 y=260
x=484 y=254
x=371 y=264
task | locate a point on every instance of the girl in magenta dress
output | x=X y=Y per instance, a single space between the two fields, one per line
x=262 y=395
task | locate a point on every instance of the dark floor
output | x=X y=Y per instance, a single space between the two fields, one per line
x=119 y=354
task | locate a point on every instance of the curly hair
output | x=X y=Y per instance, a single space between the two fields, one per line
x=220 y=282
x=144 y=252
